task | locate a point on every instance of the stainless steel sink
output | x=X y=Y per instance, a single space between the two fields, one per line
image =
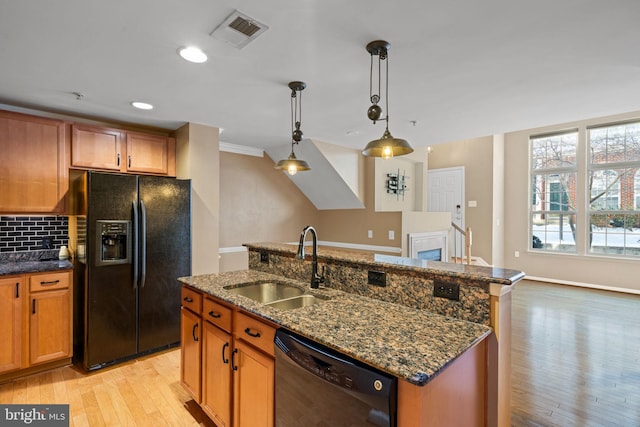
x=295 y=302
x=266 y=291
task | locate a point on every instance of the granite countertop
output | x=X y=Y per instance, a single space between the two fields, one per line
x=411 y=344
x=32 y=262
x=496 y=275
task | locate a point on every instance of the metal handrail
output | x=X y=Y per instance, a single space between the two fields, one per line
x=459 y=233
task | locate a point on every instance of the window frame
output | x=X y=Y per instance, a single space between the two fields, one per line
x=619 y=214
x=543 y=173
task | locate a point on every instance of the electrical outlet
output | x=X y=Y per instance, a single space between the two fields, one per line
x=377 y=278
x=446 y=290
x=392 y=234
x=370 y=234
x=264 y=257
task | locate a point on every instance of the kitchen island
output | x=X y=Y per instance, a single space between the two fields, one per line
x=477 y=294
x=440 y=361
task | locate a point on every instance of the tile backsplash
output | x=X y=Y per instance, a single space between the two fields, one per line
x=27 y=233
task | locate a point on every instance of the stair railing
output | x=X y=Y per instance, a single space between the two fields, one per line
x=462 y=238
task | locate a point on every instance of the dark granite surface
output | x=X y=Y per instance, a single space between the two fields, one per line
x=406 y=342
x=496 y=275
x=32 y=262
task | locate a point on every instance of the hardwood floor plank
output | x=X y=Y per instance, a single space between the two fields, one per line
x=575 y=356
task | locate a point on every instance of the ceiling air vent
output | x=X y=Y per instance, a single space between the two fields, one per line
x=239 y=29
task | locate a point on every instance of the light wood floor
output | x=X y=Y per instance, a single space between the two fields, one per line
x=576 y=362
x=575 y=357
x=145 y=392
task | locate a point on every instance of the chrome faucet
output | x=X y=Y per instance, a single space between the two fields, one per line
x=316 y=278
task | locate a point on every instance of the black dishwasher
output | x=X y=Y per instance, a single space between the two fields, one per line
x=316 y=386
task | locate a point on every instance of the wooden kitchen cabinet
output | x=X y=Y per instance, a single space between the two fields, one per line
x=237 y=364
x=12 y=295
x=51 y=317
x=37 y=322
x=216 y=374
x=34 y=164
x=253 y=387
x=152 y=154
x=191 y=362
x=94 y=147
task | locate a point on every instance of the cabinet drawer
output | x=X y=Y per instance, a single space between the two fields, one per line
x=49 y=281
x=192 y=299
x=217 y=314
x=254 y=332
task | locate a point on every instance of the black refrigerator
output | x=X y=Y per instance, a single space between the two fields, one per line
x=133 y=240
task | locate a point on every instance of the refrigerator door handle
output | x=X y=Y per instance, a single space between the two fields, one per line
x=143 y=244
x=135 y=244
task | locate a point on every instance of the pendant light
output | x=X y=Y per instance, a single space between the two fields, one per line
x=387 y=146
x=292 y=165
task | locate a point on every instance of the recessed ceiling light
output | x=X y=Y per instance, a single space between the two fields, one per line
x=192 y=54
x=142 y=105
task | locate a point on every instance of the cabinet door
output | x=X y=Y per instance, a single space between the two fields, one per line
x=147 y=153
x=96 y=148
x=11 y=327
x=253 y=391
x=216 y=375
x=33 y=166
x=50 y=326
x=190 y=368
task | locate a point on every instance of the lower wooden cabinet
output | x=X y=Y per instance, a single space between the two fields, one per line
x=253 y=387
x=12 y=295
x=190 y=338
x=35 y=322
x=216 y=374
x=49 y=326
x=237 y=365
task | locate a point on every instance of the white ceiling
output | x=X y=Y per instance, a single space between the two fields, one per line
x=460 y=69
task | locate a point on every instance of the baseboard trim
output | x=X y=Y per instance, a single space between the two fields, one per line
x=584 y=285
x=232 y=249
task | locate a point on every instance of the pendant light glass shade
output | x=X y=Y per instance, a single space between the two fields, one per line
x=291 y=164
x=387 y=146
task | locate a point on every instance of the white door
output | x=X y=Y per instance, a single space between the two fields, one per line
x=445 y=193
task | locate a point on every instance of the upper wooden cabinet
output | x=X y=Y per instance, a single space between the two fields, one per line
x=94 y=147
x=150 y=153
x=33 y=165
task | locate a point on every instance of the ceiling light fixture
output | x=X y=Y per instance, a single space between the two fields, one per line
x=192 y=54
x=292 y=165
x=387 y=146
x=142 y=105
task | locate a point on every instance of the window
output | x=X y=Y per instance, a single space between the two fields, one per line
x=614 y=214
x=636 y=191
x=553 y=177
